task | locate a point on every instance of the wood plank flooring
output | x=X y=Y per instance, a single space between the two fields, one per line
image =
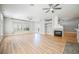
x=32 y=43
x=71 y=37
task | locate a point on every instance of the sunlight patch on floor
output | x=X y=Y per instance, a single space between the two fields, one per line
x=37 y=39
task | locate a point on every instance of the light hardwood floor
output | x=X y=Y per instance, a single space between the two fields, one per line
x=33 y=43
x=71 y=37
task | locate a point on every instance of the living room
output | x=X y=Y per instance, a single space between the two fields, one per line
x=39 y=28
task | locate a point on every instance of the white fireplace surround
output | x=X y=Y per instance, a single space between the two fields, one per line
x=56 y=25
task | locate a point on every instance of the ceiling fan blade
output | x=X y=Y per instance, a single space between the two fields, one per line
x=45 y=8
x=56 y=5
x=57 y=8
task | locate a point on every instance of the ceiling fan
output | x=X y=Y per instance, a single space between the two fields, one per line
x=52 y=8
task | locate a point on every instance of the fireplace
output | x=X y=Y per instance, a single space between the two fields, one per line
x=57 y=33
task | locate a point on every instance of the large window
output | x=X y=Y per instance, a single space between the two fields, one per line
x=21 y=26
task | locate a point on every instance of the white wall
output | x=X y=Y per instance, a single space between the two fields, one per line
x=1 y=26
x=40 y=27
x=8 y=26
x=10 y=23
x=70 y=25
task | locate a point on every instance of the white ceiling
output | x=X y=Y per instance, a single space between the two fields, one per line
x=22 y=11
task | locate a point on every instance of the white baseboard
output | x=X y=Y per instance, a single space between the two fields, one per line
x=17 y=33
